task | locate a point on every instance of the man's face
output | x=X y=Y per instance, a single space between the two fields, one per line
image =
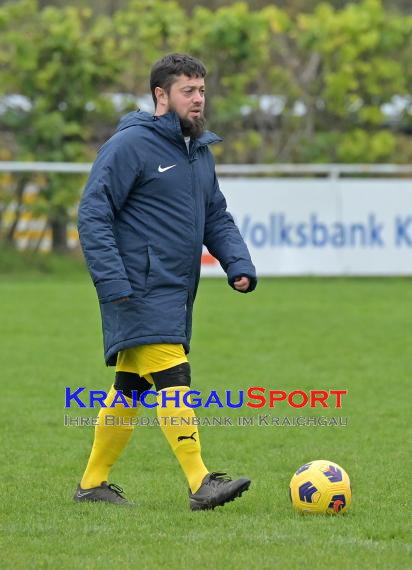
x=187 y=99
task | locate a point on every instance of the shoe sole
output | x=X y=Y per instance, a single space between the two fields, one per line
x=197 y=506
x=93 y=499
x=90 y=500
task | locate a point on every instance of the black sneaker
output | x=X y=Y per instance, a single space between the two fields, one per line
x=107 y=493
x=216 y=490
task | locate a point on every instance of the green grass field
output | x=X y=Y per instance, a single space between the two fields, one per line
x=290 y=334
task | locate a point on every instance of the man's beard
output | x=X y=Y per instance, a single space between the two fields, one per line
x=193 y=128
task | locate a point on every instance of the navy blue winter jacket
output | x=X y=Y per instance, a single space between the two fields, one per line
x=147 y=208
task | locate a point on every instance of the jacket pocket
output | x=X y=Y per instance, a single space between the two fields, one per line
x=151 y=270
x=189 y=310
x=147 y=269
x=163 y=275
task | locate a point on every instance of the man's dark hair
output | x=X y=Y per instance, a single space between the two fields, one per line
x=166 y=71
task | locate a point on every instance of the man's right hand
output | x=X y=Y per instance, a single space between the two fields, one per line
x=121 y=300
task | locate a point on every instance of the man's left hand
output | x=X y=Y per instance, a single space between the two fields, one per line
x=242 y=283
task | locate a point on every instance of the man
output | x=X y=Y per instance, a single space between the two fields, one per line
x=152 y=200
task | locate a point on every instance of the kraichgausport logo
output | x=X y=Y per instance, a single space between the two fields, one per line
x=256 y=397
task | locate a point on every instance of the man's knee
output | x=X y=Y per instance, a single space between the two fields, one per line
x=128 y=382
x=176 y=376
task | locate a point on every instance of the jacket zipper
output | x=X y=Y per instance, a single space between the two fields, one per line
x=192 y=191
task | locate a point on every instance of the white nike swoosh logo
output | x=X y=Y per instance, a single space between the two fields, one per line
x=160 y=169
x=83 y=494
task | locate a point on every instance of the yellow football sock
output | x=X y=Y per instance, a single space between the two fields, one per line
x=109 y=440
x=183 y=437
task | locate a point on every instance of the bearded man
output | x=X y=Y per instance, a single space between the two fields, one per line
x=151 y=202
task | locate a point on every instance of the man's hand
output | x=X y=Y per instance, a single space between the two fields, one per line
x=241 y=283
x=121 y=300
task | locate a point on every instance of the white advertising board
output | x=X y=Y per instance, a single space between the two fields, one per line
x=322 y=226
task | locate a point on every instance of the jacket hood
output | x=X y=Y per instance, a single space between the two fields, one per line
x=166 y=125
